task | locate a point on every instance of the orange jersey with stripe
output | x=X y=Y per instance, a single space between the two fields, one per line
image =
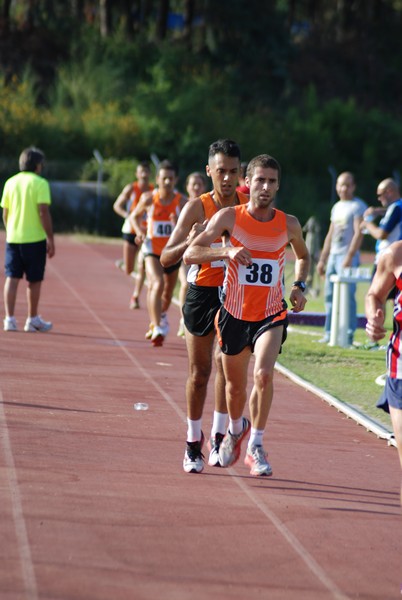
x=160 y=225
x=211 y=274
x=135 y=195
x=133 y=200
x=255 y=292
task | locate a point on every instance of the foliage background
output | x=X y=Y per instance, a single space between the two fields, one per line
x=315 y=84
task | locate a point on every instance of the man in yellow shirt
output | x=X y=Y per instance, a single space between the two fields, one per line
x=29 y=237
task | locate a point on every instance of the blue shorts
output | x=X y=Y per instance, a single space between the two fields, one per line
x=392 y=395
x=28 y=259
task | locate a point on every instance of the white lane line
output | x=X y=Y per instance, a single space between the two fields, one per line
x=310 y=562
x=24 y=551
x=132 y=358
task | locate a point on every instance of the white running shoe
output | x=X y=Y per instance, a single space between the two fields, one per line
x=214 y=443
x=157 y=336
x=229 y=450
x=193 y=461
x=148 y=334
x=37 y=324
x=10 y=324
x=164 y=324
x=257 y=459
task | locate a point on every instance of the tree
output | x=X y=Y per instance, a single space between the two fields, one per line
x=162 y=19
x=105 y=17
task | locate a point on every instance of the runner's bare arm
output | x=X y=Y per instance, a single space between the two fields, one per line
x=383 y=282
x=189 y=224
x=302 y=262
x=5 y=216
x=200 y=250
x=119 y=205
x=136 y=216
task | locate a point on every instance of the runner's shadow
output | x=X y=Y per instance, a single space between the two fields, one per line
x=47 y=407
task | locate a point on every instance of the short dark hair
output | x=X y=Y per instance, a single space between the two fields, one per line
x=30 y=158
x=144 y=164
x=266 y=162
x=226 y=147
x=196 y=174
x=168 y=165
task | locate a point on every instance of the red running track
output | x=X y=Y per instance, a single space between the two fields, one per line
x=94 y=502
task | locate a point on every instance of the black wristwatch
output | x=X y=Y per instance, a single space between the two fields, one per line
x=299 y=284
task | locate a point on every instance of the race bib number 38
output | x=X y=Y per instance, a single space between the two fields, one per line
x=261 y=272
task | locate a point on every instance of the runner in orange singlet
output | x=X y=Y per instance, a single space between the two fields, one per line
x=163 y=207
x=125 y=204
x=253 y=318
x=203 y=302
x=196 y=184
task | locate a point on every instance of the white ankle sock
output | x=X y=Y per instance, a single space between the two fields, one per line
x=219 y=423
x=256 y=436
x=236 y=426
x=194 y=430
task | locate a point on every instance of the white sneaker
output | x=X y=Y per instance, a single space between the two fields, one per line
x=37 y=324
x=148 y=334
x=164 y=324
x=229 y=450
x=193 y=461
x=10 y=324
x=214 y=443
x=157 y=336
x=257 y=460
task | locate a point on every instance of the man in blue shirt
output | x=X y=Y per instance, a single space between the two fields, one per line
x=389 y=229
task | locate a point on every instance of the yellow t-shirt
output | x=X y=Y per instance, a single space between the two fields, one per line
x=21 y=196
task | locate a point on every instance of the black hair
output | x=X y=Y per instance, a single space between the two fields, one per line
x=30 y=158
x=226 y=147
x=168 y=165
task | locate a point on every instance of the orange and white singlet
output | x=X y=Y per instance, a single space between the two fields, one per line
x=160 y=225
x=135 y=195
x=211 y=274
x=255 y=292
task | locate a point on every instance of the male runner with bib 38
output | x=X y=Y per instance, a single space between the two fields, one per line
x=253 y=318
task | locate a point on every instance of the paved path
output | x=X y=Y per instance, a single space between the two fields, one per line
x=93 y=500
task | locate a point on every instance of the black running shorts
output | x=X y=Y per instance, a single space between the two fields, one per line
x=234 y=334
x=199 y=310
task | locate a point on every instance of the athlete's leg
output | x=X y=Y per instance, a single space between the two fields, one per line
x=266 y=351
x=170 y=280
x=129 y=253
x=220 y=395
x=155 y=288
x=396 y=417
x=10 y=295
x=33 y=295
x=140 y=275
x=199 y=350
x=235 y=369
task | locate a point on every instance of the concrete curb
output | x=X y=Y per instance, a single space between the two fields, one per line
x=365 y=421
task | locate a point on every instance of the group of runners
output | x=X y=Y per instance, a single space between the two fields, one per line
x=234 y=244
